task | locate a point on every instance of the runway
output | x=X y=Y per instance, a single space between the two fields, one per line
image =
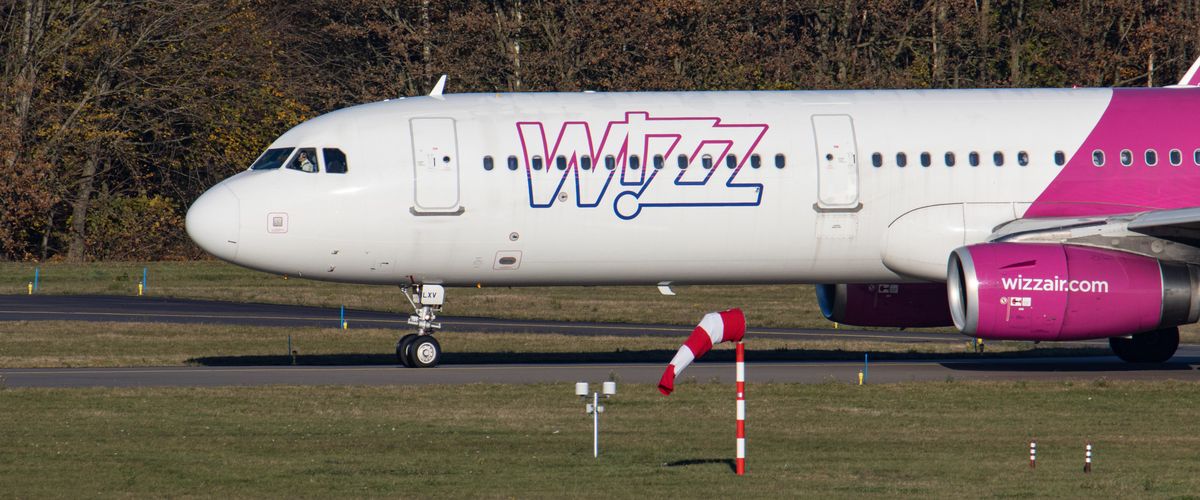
x=143 y=309
x=188 y=311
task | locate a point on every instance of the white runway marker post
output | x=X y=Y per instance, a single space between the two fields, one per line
x=1087 y=458
x=1033 y=454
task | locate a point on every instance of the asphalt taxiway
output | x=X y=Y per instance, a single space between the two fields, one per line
x=187 y=311
x=142 y=309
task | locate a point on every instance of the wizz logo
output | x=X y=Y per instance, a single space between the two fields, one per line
x=693 y=155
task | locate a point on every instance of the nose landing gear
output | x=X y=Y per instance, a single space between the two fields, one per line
x=421 y=350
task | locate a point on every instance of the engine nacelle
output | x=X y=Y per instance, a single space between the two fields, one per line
x=913 y=305
x=1040 y=291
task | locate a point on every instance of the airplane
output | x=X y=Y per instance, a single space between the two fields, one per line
x=1011 y=214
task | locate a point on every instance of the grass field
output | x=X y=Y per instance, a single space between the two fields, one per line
x=943 y=440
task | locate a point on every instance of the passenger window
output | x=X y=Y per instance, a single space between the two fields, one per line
x=683 y=161
x=755 y=161
x=560 y=161
x=1060 y=158
x=1098 y=158
x=998 y=158
x=876 y=160
x=585 y=162
x=634 y=162
x=537 y=162
x=610 y=162
x=901 y=160
x=1022 y=158
x=1176 y=157
x=1151 y=157
x=274 y=158
x=512 y=162
x=706 y=161
x=335 y=161
x=973 y=158
x=780 y=161
x=487 y=163
x=305 y=160
x=926 y=160
x=731 y=161
x=1126 y=157
x=950 y=159
x=1196 y=157
x=658 y=162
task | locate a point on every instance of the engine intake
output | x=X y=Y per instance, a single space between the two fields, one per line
x=1039 y=291
x=914 y=305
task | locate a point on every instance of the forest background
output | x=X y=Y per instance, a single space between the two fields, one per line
x=116 y=115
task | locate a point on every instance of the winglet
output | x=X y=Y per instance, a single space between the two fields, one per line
x=1192 y=78
x=438 y=88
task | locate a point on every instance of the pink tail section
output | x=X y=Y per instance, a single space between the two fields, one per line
x=1192 y=78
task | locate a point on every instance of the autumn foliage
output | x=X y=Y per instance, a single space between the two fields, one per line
x=115 y=115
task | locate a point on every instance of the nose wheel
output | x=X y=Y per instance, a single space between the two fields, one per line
x=421 y=350
x=418 y=351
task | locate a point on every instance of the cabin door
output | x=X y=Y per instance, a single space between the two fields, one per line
x=435 y=167
x=837 y=163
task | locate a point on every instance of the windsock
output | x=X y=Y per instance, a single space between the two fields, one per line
x=716 y=327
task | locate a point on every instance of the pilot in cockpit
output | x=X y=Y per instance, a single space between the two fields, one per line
x=306 y=165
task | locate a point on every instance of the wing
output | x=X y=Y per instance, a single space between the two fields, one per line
x=1180 y=226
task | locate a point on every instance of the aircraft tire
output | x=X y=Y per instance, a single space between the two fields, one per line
x=425 y=352
x=403 y=346
x=1155 y=346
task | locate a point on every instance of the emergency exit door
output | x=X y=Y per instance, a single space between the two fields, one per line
x=435 y=166
x=837 y=162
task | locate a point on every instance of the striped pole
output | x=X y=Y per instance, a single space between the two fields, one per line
x=1033 y=454
x=741 y=409
x=1087 y=458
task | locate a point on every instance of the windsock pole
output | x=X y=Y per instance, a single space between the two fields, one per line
x=741 y=409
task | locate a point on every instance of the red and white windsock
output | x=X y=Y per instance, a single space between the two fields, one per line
x=717 y=327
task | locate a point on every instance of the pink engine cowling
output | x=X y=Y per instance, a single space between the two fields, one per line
x=914 y=305
x=1040 y=291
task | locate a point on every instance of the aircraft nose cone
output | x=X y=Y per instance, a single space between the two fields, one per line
x=214 y=222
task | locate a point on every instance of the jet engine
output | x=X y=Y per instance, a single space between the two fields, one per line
x=891 y=305
x=1045 y=291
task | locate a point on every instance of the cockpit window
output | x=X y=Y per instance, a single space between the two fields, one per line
x=305 y=160
x=335 y=161
x=272 y=159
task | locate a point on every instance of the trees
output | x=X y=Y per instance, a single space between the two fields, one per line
x=114 y=110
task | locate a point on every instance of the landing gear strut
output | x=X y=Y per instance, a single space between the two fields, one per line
x=1150 y=347
x=421 y=350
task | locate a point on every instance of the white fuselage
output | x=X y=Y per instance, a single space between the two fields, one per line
x=418 y=206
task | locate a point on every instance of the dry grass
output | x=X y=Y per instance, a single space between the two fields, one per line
x=927 y=440
x=766 y=306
